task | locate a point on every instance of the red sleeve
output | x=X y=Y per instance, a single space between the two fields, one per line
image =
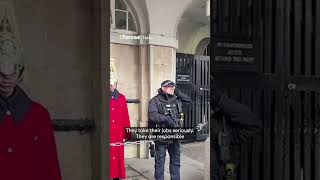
x=49 y=149
x=126 y=118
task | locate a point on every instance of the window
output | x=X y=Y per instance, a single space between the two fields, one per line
x=123 y=17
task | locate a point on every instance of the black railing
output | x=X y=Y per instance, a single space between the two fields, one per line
x=82 y=125
x=133 y=101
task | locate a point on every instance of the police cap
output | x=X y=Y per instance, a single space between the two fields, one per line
x=168 y=83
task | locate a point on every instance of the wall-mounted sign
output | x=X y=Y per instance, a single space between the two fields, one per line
x=234 y=52
x=183 y=78
x=234 y=55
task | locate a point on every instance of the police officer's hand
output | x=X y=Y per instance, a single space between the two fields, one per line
x=170 y=122
x=176 y=92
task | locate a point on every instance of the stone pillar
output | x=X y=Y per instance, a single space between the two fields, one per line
x=144 y=96
x=156 y=63
x=162 y=66
x=100 y=69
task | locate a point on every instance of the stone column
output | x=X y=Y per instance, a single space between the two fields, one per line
x=100 y=69
x=144 y=96
x=162 y=66
x=156 y=63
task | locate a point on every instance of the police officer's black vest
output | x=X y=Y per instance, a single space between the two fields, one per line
x=172 y=108
x=168 y=107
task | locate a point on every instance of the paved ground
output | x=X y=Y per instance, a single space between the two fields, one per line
x=194 y=151
x=192 y=166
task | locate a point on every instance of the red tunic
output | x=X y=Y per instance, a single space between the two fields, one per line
x=119 y=120
x=28 y=149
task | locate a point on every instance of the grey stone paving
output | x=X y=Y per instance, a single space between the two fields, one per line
x=192 y=164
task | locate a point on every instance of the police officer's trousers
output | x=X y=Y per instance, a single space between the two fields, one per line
x=160 y=155
x=215 y=162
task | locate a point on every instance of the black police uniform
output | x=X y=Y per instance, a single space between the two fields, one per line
x=241 y=123
x=164 y=111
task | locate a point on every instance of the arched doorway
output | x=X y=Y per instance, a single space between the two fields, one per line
x=203 y=47
x=193 y=64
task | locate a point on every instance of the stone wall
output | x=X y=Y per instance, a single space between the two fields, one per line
x=57 y=41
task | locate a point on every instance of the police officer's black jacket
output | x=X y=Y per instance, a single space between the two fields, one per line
x=241 y=122
x=157 y=107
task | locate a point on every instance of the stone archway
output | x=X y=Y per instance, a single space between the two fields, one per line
x=140 y=14
x=193 y=26
x=202 y=46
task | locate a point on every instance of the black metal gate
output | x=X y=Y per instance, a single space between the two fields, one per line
x=266 y=54
x=193 y=78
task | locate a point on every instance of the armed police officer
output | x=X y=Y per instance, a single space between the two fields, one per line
x=233 y=125
x=165 y=111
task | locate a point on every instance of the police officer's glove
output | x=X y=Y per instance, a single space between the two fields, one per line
x=170 y=122
x=177 y=92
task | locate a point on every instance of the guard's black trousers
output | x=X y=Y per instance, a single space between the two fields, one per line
x=160 y=157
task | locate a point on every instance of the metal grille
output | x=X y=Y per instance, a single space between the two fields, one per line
x=193 y=78
x=284 y=90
